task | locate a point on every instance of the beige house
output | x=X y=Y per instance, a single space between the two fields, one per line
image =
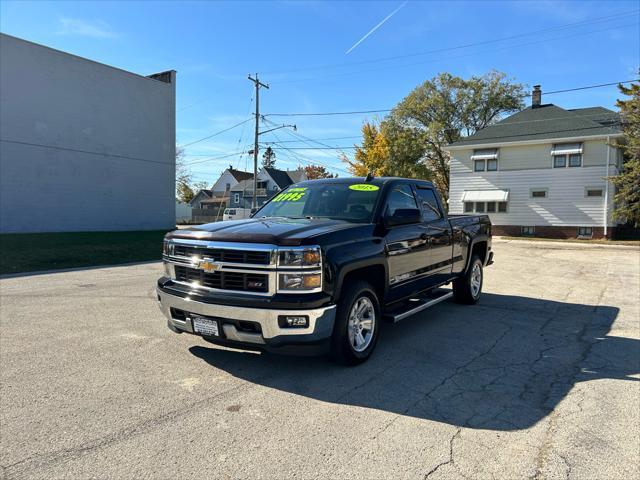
x=540 y=172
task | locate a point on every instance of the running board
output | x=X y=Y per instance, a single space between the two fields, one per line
x=416 y=305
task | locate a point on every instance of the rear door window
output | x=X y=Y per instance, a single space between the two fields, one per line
x=429 y=204
x=400 y=198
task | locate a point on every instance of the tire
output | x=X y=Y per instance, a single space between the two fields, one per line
x=358 y=313
x=468 y=288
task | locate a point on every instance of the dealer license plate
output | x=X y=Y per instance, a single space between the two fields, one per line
x=205 y=326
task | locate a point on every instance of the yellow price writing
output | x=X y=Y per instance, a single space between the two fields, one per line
x=363 y=187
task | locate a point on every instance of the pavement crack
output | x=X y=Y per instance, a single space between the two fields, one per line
x=451 y=460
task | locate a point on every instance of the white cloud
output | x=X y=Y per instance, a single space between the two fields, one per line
x=76 y=26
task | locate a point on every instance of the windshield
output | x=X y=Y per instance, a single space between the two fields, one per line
x=340 y=201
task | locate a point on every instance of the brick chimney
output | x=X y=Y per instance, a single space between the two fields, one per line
x=536 y=96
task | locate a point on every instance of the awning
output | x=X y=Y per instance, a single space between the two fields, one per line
x=566 y=148
x=485 y=154
x=485 y=196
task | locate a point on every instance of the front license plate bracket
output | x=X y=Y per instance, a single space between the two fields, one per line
x=205 y=326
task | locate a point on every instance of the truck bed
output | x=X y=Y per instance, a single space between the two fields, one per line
x=465 y=220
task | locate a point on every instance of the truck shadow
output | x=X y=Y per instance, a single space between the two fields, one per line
x=503 y=364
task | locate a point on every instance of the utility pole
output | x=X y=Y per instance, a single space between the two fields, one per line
x=258 y=84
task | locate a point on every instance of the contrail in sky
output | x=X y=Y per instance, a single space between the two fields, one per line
x=377 y=27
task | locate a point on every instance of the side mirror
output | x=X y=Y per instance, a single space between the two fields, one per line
x=403 y=216
x=253 y=211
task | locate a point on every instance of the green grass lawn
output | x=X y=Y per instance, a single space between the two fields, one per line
x=28 y=252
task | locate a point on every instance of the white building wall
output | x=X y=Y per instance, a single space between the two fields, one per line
x=566 y=203
x=221 y=183
x=83 y=146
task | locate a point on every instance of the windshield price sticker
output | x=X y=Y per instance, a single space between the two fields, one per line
x=291 y=195
x=363 y=187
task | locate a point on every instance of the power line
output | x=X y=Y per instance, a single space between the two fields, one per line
x=462 y=46
x=315 y=148
x=308 y=160
x=325 y=113
x=358 y=112
x=463 y=139
x=299 y=141
x=213 y=158
x=216 y=133
x=447 y=58
x=306 y=141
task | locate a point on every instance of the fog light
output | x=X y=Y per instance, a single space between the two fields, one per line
x=293 y=321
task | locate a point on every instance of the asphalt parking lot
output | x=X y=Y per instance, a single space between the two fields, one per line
x=539 y=380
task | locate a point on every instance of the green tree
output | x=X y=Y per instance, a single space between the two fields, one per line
x=627 y=197
x=314 y=172
x=186 y=189
x=269 y=158
x=411 y=141
x=390 y=149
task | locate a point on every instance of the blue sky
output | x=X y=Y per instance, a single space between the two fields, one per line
x=300 y=49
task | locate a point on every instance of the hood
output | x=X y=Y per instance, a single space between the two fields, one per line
x=276 y=230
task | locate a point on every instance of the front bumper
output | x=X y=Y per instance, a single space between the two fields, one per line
x=252 y=327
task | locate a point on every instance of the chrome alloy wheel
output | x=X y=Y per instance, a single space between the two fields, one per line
x=476 y=280
x=362 y=323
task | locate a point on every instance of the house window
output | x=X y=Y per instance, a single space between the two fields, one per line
x=575 y=160
x=485 y=159
x=593 y=192
x=559 y=161
x=227 y=187
x=528 y=231
x=236 y=198
x=567 y=155
x=540 y=193
x=482 y=207
x=585 y=232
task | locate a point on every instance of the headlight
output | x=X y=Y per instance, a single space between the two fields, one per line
x=303 y=257
x=299 y=281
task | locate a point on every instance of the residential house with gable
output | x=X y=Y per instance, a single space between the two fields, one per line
x=270 y=181
x=208 y=204
x=540 y=172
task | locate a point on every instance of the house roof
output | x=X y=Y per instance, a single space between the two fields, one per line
x=281 y=177
x=217 y=198
x=297 y=175
x=207 y=193
x=243 y=185
x=240 y=175
x=547 y=122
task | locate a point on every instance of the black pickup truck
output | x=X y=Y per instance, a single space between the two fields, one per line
x=320 y=265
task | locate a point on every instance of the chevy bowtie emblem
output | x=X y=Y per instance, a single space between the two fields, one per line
x=209 y=265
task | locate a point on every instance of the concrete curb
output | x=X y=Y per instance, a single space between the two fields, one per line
x=566 y=244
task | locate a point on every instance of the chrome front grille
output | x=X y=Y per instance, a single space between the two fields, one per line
x=237 y=267
x=249 y=282
x=223 y=255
